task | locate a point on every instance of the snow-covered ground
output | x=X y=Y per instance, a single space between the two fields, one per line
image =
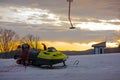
x=80 y=67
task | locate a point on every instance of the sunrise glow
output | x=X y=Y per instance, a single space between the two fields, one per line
x=75 y=46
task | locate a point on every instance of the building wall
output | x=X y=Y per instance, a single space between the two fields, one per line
x=99 y=50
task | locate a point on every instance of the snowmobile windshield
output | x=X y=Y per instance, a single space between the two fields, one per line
x=52 y=49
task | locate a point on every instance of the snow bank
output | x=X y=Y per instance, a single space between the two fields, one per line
x=79 y=67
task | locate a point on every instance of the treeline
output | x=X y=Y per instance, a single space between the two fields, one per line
x=9 y=54
x=10 y=40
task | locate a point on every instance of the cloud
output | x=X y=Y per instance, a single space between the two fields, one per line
x=68 y=46
x=58 y=33
x=114 y=22
x=108 y=9
x=48 y=18
x=103 y=9
x=29 y=16
x=75 y=46
x=0 y=17
x=97 y=26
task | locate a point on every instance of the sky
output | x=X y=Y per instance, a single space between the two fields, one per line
x=95 y=21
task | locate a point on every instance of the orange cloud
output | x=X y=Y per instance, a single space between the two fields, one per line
x=75 y=46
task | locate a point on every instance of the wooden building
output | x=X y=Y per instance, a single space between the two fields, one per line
x=99 y=48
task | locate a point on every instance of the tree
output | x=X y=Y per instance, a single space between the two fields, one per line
x=32 y=40
x=7 y=40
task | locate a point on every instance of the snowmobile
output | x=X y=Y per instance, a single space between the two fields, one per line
x=49 y=56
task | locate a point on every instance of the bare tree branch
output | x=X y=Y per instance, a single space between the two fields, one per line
x=31 y=40
x=7 y=39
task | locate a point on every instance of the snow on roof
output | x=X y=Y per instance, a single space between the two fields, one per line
x=102 y=44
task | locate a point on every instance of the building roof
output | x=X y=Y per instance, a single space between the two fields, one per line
x=102 y=44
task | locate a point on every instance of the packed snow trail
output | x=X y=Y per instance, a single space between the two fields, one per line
x=80 y=67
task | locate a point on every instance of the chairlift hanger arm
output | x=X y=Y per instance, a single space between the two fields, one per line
x=69 y=16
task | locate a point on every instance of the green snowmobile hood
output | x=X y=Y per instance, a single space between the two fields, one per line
x=52 y=55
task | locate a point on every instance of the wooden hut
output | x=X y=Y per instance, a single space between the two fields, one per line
x=99 y=48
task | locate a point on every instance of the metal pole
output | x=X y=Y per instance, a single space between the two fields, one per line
x=69 y=15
